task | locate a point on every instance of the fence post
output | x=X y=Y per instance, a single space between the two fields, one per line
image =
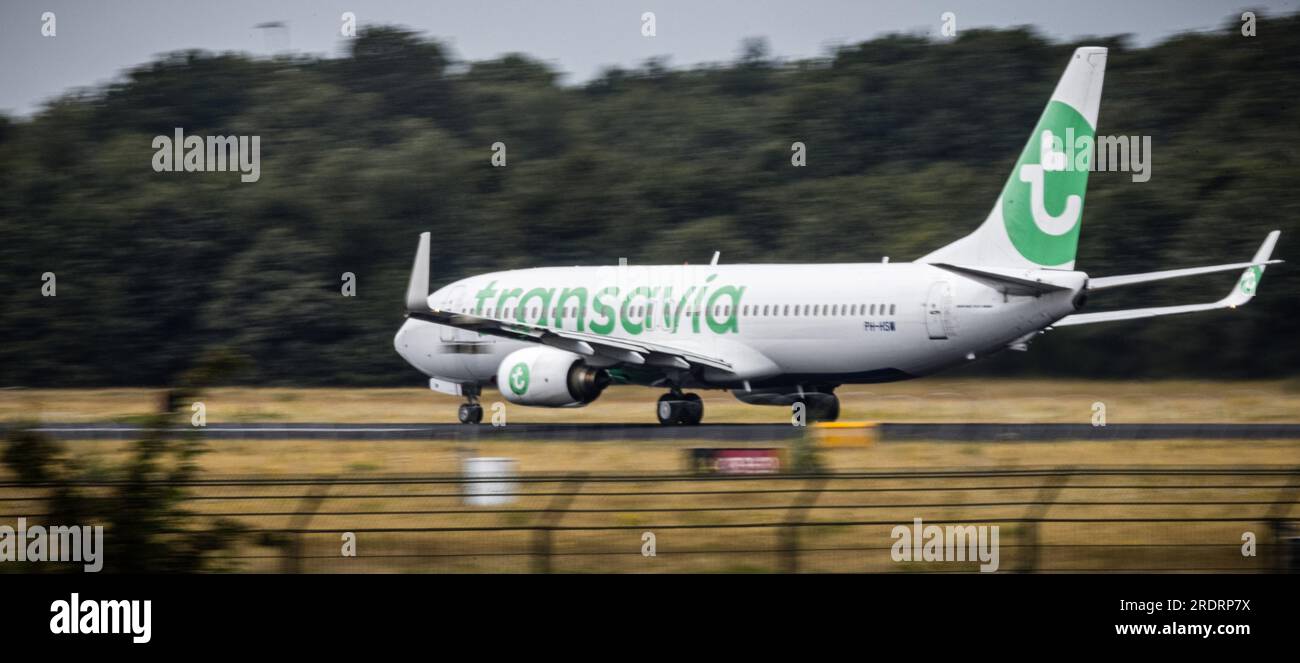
x=542 y=533
x=291 y=555
x=1279 y=561
x=797 y=513
x=1046 y=499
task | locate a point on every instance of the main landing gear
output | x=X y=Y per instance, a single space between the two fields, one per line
x=678 y=409
x=821 y=406
x=471 y=412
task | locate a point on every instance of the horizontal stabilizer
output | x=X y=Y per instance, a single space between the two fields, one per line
x=1242 y=291
x=1104 y=282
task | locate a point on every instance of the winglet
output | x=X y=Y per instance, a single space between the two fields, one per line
x=417 y=290
x=1249 y=282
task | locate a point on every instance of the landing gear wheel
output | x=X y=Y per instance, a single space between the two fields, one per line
x=680 y=409
x=470 y=413
x=822 y=407
x=692 y=410
x=667 y=410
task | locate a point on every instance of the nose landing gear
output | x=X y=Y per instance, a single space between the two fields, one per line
x=678 y=409
x=470 y=412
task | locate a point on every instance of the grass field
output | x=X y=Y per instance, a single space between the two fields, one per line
x=723 y=525
x=511 y=547
x=925 y=400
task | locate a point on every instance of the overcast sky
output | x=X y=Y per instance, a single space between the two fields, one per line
x=96 y=40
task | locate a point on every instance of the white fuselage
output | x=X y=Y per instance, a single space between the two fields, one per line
x=777 y=324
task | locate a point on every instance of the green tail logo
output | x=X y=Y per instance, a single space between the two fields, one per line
x=1042 y=201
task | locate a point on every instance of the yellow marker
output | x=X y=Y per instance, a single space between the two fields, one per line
x=844 y=433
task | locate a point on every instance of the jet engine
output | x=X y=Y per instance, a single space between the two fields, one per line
x=543 y=376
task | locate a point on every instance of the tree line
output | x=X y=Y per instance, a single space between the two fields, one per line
x=908 y=142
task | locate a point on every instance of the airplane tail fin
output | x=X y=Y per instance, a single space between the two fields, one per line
x=1035 y=221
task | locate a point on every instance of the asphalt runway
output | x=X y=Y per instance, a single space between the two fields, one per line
x=888 y=432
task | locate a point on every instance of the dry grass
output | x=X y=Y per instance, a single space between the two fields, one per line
x=661 y=507
x=358 y=507
x=931 y=399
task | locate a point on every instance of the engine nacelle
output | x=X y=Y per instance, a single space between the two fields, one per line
x=543 y=376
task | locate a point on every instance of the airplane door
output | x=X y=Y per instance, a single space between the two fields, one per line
x=452 y=303
x=938 y=310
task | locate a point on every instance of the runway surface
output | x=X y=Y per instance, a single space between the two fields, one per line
x=888 y=432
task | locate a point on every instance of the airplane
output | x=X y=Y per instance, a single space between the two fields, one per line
x=787 y=334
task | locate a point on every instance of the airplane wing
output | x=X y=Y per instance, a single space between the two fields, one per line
x=584 y=343
x=1242 y=291
x=629 y=351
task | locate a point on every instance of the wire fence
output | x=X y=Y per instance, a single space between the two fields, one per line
x=1066 y=519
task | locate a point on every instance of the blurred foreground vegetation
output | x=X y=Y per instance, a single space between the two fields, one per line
x=908 y=142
